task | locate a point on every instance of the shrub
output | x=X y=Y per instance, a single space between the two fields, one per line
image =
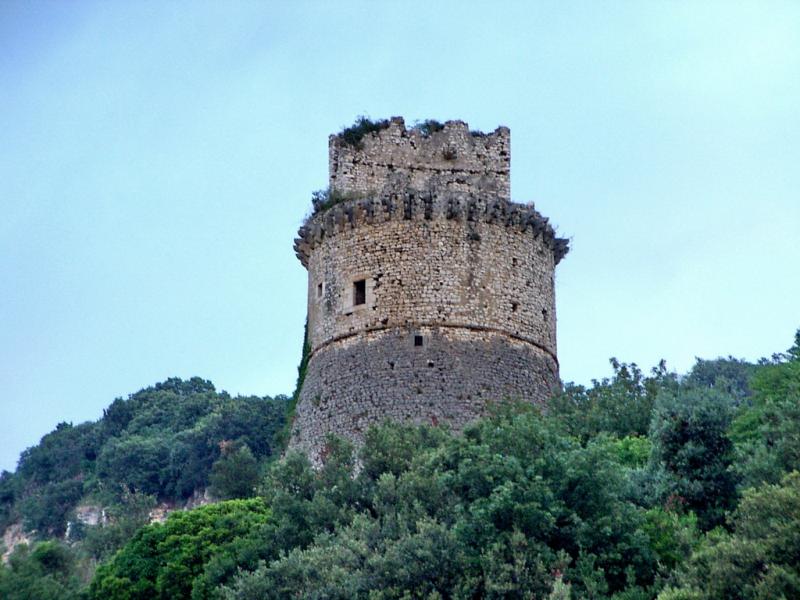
x=428 y=127
x=354 y=135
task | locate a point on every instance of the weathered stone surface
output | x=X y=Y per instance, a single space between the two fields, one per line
x=13 y=536
x=449 y=380
x=426 y=249
x=452 y=159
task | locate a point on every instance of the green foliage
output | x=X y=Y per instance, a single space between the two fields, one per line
x=621 y=406
x=167 y=446
x=759 y=560
x=728 y=375
x=8 y=494
x=692 y=450
x=672 y=534
x=767 y=433
x=632 y=451
x=48 y=571
x=50 y=478
x=61 y=455
x=354 y=135
x=235 y=473
x=181 y=558
x=429 y=127
x=161 y=441
x=45 y=509
x=282 y=437
x=605 y=496
x=136 y=462
x=322 y=200
x=496 y=512
x=768 y=441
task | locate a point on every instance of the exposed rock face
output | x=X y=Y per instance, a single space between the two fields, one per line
x=90 y=514
x=430 y=293
x=13 y=536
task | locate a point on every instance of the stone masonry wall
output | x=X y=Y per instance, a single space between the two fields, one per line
x=450 y=380
x=439 y=272
x=452 y=158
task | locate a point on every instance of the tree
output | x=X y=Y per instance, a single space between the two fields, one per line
x=45 y=508
x=138 y=462
x=759 y=560
x=168 y=561
x=235 y=473
x=728 y=375
x=767 y=433
x=621 y=405
x=693 y=452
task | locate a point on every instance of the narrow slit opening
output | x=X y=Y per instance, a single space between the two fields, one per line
x=359 y=292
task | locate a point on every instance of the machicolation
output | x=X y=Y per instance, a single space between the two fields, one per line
x=430 y=293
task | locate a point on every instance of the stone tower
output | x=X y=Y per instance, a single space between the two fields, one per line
x=430 y=293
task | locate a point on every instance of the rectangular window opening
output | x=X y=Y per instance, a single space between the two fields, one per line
x=319 y=290
x=359 y=292
x=418 y=340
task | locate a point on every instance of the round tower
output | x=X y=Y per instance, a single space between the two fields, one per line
x=430 y=293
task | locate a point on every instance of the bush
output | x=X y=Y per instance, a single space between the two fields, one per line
x=161 y=441
x=124 y=519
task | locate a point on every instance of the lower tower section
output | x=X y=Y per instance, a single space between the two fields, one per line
x=427 y=374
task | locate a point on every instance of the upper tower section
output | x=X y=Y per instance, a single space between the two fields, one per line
x=432 y=157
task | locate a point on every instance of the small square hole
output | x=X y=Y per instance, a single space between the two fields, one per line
x=359 y=292
x=418 y=340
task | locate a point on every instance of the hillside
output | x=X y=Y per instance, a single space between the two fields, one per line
x=642 y=485
x=160 y=442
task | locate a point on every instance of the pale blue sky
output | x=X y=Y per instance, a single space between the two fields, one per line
x=156 y=161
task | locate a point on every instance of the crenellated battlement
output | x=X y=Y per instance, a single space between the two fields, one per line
x=412 y=205
x=451 y=158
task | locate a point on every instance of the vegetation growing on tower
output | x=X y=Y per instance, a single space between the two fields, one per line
x=354 y=134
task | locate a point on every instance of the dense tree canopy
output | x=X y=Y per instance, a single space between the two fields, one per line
x=497 y=512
